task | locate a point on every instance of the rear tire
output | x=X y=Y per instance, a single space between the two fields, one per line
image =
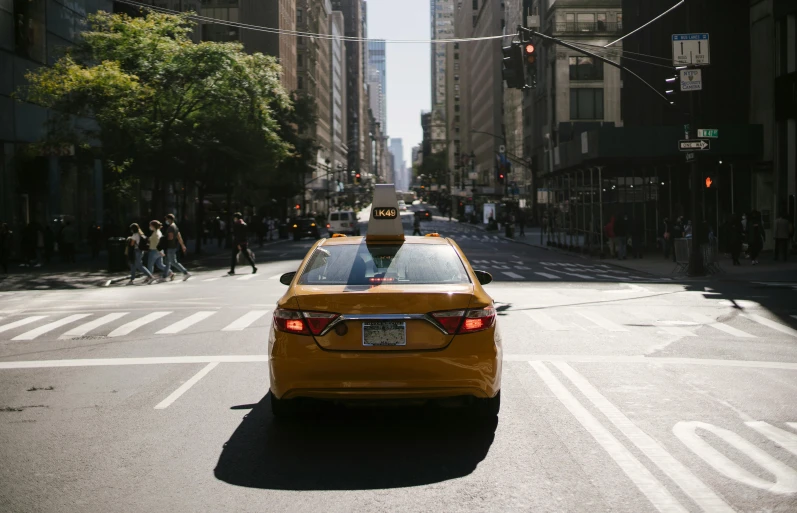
x=488 y=408
x=283 y=408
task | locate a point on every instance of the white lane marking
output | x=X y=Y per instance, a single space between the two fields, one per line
x=550 y=276
x=126 y=329
x=772 y=324
x=81 y=330
x=647 y=483
x=672 y=330
x=41 y=330
x=783 y=438
x=680 y=332
x=246 y=277
x=545 y=320
x=21 y=322
x=185 y=386
x=245 y=320
x=785 y=476
x=606 y=276
x=180 y=325
x=275 y=277
x=730 y=330
x=602 y=321
x=674 y=469
x=210 y=279
x=515 y=276
x=577 y=275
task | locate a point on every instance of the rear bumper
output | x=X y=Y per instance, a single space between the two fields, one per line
x=469 y=366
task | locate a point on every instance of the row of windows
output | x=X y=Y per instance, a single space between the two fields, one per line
x=586 y=103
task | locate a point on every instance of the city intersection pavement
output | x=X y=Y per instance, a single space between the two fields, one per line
x=623 y=390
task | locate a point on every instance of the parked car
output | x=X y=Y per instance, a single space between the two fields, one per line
x=343 y=221
x=305 y=227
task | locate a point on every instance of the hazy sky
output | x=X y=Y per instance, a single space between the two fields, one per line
x=408 y=65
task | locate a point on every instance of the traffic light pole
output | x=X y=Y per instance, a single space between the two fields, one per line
x=696 y=267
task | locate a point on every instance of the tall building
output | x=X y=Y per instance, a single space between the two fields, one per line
x=357 y=122
x=377 y=68
x=313 y=79
x=399 y=166
x=442 y=27
x=337 y=93
x=42 y=184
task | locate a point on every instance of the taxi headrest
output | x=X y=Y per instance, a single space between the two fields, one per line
x=336 y=235
x=385 y=221
x=432 y=235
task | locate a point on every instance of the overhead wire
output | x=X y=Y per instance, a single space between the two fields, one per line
x=620 y=50
x=613 y=53
x=271 y=30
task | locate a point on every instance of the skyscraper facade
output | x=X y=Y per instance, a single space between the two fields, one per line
x=377 y=69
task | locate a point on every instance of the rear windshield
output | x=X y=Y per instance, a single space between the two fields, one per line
x=333 y=217
x=344 y=216
x=361 y=264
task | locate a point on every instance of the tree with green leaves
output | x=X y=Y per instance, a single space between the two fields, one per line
x=166 y=109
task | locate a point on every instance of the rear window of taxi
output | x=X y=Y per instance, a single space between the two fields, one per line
x=384 y=264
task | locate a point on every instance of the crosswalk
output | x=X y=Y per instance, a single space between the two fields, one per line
x=514 y=269
x=620 y=321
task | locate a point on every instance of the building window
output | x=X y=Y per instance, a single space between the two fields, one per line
x=29 y=30
x=456 y=56
x=456 y=77
x=570 y=17
x=586 y=103
x=456 y=87
x=585 y=68
x=475 y=5
x=300 y=61
x=300 y=82
x=456 y=119
x=456 y=46
x=456 y=66
x=456 y=108
x=299 y=16
x=619 y=21
x=602 y=22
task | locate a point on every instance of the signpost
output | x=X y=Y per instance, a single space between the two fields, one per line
x=694 y=145
x=712 y=133
x=690 y=49
x=691 y=80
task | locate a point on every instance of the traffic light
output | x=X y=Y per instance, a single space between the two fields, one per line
x=357 y=178
x=711 y=182
x=513 y=71
x=530 y=58
x=501 y=177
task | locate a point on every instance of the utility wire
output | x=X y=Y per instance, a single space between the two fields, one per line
x=611 y=53
x=618 y=50
x=648 y=23
x=270 y=30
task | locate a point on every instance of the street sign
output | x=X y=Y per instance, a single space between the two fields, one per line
x=690 y=157
x=691 y=80
x=694 y=145
x=713 y=133
x=690 y=49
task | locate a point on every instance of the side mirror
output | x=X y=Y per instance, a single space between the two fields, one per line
x=287 y=278
x=484 y=277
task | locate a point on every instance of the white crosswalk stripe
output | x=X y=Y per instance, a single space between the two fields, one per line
x=41 y=330
x=21 y=322
x=545 y=320
x=246 y=277
x=772 y=324
x=730 y=330
x=245 y=320
x=180 y=325
x=81 y=330
x=513 y=275
x=128 y=328
x=602 y=321
x=550 y=276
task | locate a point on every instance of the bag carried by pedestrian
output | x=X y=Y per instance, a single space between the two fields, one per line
x=143 y=244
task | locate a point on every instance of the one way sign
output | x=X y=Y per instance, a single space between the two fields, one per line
x=694 y=144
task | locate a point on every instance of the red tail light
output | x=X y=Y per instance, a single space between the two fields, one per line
x=302 y=323
x=466 y=321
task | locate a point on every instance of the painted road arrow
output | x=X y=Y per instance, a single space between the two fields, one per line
x=694 y=144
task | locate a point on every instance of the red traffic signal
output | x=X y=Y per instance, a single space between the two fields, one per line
x=297 y=207
x=528 y=52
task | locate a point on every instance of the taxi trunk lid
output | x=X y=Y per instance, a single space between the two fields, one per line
x=383 y=309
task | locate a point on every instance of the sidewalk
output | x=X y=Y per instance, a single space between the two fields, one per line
x=92 y=272
x=655 y=263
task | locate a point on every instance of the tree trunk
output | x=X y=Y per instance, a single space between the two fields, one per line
x=200 y=219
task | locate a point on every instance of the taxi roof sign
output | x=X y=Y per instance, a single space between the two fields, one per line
x=385 y=222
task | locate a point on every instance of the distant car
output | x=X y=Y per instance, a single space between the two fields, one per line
x=343 y=221
x=305 y=227
x=424 y=215
x=402 y=206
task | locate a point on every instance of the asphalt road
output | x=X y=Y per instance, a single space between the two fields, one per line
x=621 y=392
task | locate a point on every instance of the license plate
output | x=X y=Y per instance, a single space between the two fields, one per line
x=384 y=334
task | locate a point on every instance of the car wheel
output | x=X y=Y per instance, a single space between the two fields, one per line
x=283 y=408
x=487 y=408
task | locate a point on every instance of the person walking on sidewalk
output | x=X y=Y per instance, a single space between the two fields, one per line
x=416 y=225
x=5 y=246
x=155 y=256
x=756 y=236
x=240 y=242
x=521 y=221
x=621 y=236
x=69 y=239
x=173 y=238
x=138 y=243
x=782 y=234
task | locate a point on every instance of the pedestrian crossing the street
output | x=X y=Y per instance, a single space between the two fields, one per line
x=620 y=321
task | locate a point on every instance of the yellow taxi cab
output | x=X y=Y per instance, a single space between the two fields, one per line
x=384 y=317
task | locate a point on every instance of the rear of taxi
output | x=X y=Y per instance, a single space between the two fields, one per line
x=385 y=318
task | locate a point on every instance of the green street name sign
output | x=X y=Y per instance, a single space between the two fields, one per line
x=708 y=132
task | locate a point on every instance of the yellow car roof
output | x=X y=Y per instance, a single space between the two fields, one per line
x=359 y=240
